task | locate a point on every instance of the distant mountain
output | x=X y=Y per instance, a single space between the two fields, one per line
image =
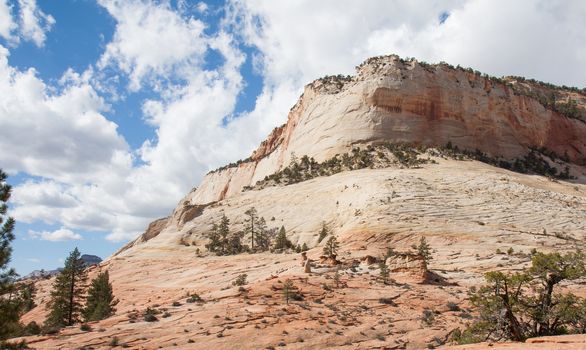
x=88 y=260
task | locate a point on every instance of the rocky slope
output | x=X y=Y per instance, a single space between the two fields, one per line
x=407 y=101
x=468 y=211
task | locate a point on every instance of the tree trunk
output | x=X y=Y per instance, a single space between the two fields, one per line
x=71 y=290
x=544 y=326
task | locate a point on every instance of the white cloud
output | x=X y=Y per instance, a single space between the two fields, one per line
x=152 y=42
x=61 y=234
x=7 y=25
x=202 y=7
x=61 y=136
x=33 y=260
x=34 y=22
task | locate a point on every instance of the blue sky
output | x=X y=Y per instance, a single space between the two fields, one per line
x=111 y=111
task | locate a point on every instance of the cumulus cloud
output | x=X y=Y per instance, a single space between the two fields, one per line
x=31 y=23
x=62 y=136
x=152 y=42
x=34 y=22
x=61 y=234
x=7 y=25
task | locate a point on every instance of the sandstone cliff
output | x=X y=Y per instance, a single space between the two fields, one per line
x=390 y=99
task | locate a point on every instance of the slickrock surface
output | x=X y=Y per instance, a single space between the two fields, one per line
x=466 y=209
x=404 y=101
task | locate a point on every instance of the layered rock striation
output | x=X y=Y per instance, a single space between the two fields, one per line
x=393 y=100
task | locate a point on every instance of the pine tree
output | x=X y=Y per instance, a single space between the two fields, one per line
x=288 y=290
x=100 y=299
x=337 y=278
x=263 y=241
x=215 y=243
x=331 y=247
x=384 y=271
x=224 y=234
x=234 y=244
x=250 y=222
x=281 y=242
x=324 y=232
x=9 y=303
x=424 y=250
x=65 y=304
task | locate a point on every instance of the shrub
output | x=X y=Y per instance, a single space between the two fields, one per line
x=452 y=306
x=114 y=341
x=240 y=280
x=176 y=303
x=424 y=250
x=325 y=230
x=289 y=290
x=427 y=317
x=331 y=247
x=149 y=315
x=85 y=327
x=194 y=298
x=387 y=301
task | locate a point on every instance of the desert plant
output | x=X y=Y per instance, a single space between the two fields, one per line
x=288 y=290
x=427 y=317
x=331 y=247
x=32 y=328
x=149 y=315
x=452 y=306
x=194 y=298
x=424 y=250
x=323 y=232
x=525 y=304
x=240 y=280
x=384 y=271
x=337 y=278
x=114 y=341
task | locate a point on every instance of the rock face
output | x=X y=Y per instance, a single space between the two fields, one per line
x=152 y=231
x=413 y=264
x=404 y=101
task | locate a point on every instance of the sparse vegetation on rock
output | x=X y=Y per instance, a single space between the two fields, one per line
x=289 y=290
x=384 y=271
x=526 y=304
x=331 y=247
x=424 y=250
x=224 y=242
x=240 y=280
